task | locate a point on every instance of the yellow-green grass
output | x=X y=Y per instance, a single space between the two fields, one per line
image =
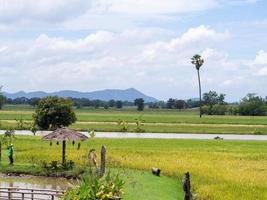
x=220 y=170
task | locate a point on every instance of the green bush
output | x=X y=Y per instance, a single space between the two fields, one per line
x=214 y=110
x=91 y=187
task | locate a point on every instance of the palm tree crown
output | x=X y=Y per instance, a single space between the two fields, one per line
x=197 y=61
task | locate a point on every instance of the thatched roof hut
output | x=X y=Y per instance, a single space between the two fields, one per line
x=64 y=134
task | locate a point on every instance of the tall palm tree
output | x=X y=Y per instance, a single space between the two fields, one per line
x=198 y=62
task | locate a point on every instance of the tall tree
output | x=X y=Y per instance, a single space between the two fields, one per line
x=198 y=62
x=119 y=104
x=54 y=112
x=140 y=103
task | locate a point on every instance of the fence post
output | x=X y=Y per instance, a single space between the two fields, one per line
x=187 y=186
x=22 y=196
x=103 y=161
x=32 y=194
x=9 y=194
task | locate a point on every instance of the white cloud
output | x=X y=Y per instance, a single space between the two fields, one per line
x=154 y=60
x=43 y=10
x=153 y=6
x=261 y=58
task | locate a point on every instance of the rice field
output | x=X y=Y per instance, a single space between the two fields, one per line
x=154 y=120
x=220 y=169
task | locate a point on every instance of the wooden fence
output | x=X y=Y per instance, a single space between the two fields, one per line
x=15 y=193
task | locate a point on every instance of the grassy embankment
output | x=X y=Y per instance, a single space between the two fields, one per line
x=221 y=170
x=155 y=120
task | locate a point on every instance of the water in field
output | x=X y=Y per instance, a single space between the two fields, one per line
x=158 y=135
x=32 y=182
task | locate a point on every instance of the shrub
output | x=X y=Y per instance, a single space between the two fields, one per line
x=252 y=105
x=214 y=110
x=91 y=187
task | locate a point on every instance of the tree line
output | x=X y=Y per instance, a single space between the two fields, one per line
x=212 y=103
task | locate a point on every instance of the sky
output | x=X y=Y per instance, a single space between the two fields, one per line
x=88 y=45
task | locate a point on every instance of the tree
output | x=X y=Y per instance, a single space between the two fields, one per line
x=211 y=98
x=170 y=103
x=54 y=112
x=2 y=98
x=180 y=104
x=198 y=62
x=252 y=105
x=34 y=101
x=119 y=104
x=140 y=103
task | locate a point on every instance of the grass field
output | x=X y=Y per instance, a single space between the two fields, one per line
x=220 y=169
x=138 y=184
x=155 y=120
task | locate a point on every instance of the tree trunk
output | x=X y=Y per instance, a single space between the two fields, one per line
x=63 y=152
x=103 y=161
x=200 y=98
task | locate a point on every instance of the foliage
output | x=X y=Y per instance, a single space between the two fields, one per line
x=119 y=104
x=23 y=125
x=140 y=103
x=214 y=110
x=2 y=98
x=92 y=134
x=8 y=137
x=53 y=112
x=197 y=61
x=211 y=98
x=139 y=125
x=91 y=187
x=123 y=125
x=252 y=105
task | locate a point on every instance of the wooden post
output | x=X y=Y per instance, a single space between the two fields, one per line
x=63 y=152
x=9 y=194
x=103 y=161
x=32 y=194
x=187 y=186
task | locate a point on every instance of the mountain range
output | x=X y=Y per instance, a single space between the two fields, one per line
x=125 y=95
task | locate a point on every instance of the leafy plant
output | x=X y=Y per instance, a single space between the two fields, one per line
x=22 y=124
x=139 y=124
x=8 y=137
x=92 y=134
x=123 y=125
x=91 y=187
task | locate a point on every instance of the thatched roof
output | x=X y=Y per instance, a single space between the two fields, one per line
x=63 y=134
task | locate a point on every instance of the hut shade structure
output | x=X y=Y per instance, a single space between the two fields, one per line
x=65 y=134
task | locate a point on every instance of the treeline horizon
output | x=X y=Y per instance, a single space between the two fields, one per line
x=212 y=103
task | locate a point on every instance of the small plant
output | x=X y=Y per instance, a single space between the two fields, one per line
x=8 y=137
x=92 y=134
x=257 y=132
x=22 y=125
x=123 y=125
x=139 y=124
x=68 y=165
x=33 y=128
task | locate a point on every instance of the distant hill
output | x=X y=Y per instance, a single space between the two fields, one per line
x=125 y=95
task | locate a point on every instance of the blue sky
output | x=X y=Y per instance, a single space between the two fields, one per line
x=89 y=45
